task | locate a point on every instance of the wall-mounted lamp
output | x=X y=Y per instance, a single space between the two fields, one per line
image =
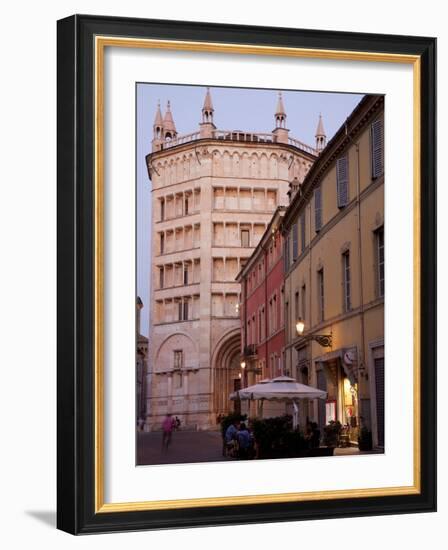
x=300 y=327
x=325 y=340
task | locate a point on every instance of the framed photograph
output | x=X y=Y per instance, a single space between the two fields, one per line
x=246 y=274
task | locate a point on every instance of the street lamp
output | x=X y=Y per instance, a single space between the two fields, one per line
x=243 y=373
x=300 y=327
x=325 y=340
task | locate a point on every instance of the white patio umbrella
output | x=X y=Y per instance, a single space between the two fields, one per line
x=282 y=388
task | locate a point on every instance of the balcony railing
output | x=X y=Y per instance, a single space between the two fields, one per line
x=186 y=138
x=250 y=350
x=237 y=135
x=302 y=146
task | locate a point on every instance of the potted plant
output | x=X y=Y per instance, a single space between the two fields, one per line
x=332 y=431
x=270 y=436
x=365 y=439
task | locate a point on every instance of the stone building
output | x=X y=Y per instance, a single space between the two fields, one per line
x=334 y=275
x=141 y=373
x=213 y=195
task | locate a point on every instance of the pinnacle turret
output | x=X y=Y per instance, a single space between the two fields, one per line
x=280 y=113
x=158 y=123
x=321 y=137
x=207 y=109
x=207 y=127
x=169 y=128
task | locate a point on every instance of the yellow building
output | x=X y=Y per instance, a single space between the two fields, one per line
x=334 y=276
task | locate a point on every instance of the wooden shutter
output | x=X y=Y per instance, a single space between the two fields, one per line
x=295 y=243
x=302 y=231
x=377 y=139
x=379 y=389
x=286 y=253
x=342 y=181
x=318 y=208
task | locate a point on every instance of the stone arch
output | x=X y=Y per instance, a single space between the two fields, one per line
x=293 y=169
x=178 y=341
x=273 y=166
x=264 y=166
x=283 y=167
x=191 y=160
x=227 y=163
x=254 y=165
x=160 y=169
x=217 y=163
x=179 y=169
x=185 y=168
x=171 y=171
x=235 y=164
x=245 y=165
x=226 y=370
x=166 y=173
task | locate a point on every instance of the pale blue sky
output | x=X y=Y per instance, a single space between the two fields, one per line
x=243 y=109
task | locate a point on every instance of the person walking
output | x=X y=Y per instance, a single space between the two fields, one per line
x=168 y=426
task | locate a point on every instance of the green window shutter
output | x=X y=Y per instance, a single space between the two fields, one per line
x=295 y=243
x=318 y=208
x=377 y=142
x=342 y=181
x=302 y=232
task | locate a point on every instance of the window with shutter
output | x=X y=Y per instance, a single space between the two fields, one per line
x=295 y=242
x=318 y=209
x=342 y=181
x=286 y=253
x=296 y=305
x=377 y=143
x=379 y=236
x=303 y=303
x=302 y=232
x=346 y=277
x=379 y=390
x=320 y=295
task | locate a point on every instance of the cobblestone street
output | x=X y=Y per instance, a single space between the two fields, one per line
x=186 y=446
x=192 y=446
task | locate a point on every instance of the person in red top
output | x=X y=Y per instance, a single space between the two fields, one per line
x=168 y=426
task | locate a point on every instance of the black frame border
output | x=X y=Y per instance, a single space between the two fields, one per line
x=76 y=263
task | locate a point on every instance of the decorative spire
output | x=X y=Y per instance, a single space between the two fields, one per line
x=157 y=128
x=321 y=137
x=169 y=128
x=280 y=113
x=158 y=121
x=207 y=109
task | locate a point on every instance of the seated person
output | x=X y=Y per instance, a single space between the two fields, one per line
x=244 y=441
x=230 y=439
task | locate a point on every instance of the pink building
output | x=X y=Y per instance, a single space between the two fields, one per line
x=262 y=307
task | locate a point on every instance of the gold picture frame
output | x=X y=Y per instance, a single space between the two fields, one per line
x=102 y=33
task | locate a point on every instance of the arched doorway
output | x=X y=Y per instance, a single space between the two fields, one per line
x=226 y=372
